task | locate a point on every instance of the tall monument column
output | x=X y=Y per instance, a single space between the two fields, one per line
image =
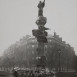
x=41 y=36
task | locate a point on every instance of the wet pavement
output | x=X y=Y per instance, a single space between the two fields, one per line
x=7 y=76
x=56 y=75
x=49 y=76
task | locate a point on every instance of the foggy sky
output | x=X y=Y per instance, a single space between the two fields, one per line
x=17 y=19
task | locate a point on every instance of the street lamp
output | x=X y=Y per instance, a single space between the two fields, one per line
x=59 y=60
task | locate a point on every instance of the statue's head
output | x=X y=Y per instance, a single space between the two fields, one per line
x=40 y=2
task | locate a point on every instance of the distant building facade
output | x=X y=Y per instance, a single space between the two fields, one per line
x=58 y=53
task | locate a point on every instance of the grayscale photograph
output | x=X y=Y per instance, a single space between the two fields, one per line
x=38 y=38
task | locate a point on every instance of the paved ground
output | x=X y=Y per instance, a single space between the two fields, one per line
x=7 y=76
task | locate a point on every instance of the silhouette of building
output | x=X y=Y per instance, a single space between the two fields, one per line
x=58 y=53
x=51 y=49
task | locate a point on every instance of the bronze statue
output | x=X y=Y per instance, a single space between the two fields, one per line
x=41 y=36
x=41 y=6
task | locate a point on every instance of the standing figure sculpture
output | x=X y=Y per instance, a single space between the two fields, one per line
x=41 y=6
x=41 y=20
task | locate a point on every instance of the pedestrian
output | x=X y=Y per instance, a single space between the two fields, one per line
x=15 y=73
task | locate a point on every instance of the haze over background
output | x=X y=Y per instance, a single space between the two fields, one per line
x=17 y=19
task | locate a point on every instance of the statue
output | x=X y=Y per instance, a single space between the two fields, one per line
x=41 y=36
x=41 y=21
x=41 y=6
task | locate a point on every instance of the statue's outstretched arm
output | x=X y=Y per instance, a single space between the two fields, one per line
x=43 y=3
